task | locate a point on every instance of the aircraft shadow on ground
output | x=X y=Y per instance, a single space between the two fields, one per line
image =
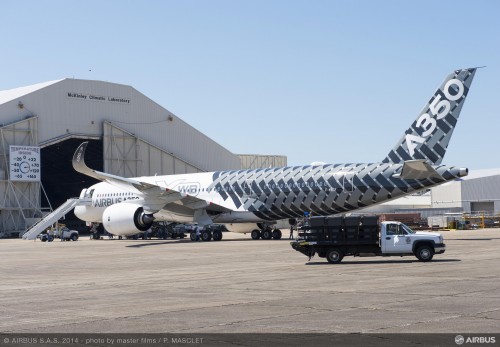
x=146 y=243
x=363 y=262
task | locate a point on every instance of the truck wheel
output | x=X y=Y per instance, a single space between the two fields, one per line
x=425 y=253
x=192 y=236
x=74 y=237
x=255 y=234
x=334 y=256
x=217 y=235
x=206 y=236
x=277 y=234
x=267 y=234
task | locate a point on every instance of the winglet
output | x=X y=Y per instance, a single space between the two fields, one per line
x=79 y=160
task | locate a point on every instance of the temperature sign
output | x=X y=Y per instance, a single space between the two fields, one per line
x=25 y=163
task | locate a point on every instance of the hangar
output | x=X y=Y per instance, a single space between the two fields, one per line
x=129 y=134
x=479 y=192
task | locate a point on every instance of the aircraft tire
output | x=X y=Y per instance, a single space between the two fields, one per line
x=277 y=234
x=217 y=235
x=334 y=255
x=255 y=234
x=206 y=236
x=267 y=234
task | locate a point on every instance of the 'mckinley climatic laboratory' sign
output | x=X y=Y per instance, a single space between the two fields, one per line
x=93 y=97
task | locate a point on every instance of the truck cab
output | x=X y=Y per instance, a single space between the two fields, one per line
x=398 y=239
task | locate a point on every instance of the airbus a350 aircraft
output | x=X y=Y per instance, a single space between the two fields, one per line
x=247 y=198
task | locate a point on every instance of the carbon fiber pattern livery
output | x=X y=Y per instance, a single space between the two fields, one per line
x=248 y=197
x=429 y=135
x=288 y=192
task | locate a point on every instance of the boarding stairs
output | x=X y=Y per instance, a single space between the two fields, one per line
x=33 y=231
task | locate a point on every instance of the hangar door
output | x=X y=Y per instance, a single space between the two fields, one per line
x=482 y=206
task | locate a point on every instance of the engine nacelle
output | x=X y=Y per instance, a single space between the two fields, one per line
x=126 y=219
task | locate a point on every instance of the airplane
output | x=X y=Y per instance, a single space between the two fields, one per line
x=252 y=200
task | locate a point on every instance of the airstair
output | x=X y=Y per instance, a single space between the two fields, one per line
x=33 y=231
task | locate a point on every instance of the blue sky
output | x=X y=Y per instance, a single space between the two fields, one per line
x=332 y=81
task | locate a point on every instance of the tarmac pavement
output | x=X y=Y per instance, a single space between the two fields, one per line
x=239 y=285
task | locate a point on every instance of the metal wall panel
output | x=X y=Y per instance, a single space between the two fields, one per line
x=481 y=189
x=257 y=161
x=447 y=195
x=19 y=201
x=127 y=155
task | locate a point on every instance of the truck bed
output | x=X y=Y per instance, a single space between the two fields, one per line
x=355 y=233
x=341 y=230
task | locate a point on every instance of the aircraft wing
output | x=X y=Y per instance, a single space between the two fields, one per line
x=152 y=191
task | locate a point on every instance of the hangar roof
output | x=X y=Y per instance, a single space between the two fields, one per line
x=474 y=174
x=11 y=94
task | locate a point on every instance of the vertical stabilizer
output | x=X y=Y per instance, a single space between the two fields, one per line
x=428 y=137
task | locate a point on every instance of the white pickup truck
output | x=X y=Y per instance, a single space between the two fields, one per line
x=62 y=233
x=335 y=237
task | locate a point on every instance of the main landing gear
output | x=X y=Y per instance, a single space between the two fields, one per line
x=266 y=233
x=207 y=235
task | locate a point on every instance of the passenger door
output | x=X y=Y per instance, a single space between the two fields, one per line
x=396 y=240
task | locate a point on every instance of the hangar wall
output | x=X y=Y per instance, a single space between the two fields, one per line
x=478 y=192
x=127 y=155
x=19 y=201
x=80 y=107
x=258 y=161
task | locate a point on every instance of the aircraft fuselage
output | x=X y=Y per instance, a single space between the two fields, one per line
x=271 y=194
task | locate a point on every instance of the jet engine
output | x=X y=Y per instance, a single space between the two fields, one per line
x=126 y=219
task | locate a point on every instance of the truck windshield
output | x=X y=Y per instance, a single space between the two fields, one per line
x=407 y=229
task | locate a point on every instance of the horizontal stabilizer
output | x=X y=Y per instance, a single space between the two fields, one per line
x=417 y=170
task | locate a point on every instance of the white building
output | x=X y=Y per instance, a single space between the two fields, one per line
x=128 y=133
x=475 y=193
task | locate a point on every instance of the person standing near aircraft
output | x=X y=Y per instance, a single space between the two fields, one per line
x=198 y=232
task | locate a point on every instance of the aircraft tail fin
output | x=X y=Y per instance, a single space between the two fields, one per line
x=428 y=137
